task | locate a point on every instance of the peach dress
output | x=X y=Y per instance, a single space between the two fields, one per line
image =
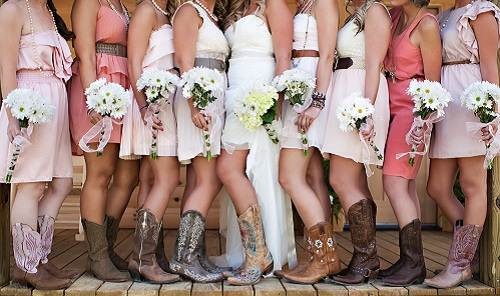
x=405 y=60
x=49 y=155
x=110 y=29
x=459 y=45
x=137 y=137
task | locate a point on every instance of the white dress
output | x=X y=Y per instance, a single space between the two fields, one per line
x=305 y=37
x=252 y=59
x=211 y=45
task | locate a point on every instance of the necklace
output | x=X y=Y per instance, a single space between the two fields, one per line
x=445 y=22
x=124 y=16
x=408 y=23
x=159 y=8
x=210 y=14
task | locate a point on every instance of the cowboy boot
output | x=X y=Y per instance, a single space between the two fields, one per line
x=323 y=261
x=412 y=269
x=279 y=273
x=160 y=251
x=100 y=264
x=143 y=265
x=393 y=268
x=185 y=261
x=46 y=230
x=207 y=264
x=258 y=259
x=364 y=264
x=458 y=270
x=112 y=227
x=27 y=245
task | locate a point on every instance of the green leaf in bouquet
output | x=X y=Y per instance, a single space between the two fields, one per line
x=270 y=115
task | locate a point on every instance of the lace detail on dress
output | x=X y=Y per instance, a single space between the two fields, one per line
x=26 y=243
x=46 y=229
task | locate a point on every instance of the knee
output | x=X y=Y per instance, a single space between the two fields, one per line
x=100 y=178
x=226 y=173
x=472 y=186
x=339 y=184
x=35 y=189
x=286 y=180
x=437 y=191
x=63 y=187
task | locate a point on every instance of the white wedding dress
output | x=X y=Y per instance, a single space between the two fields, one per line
x=252 y=59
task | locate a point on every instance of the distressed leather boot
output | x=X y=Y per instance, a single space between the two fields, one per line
x=393 y=268
x=100 y=264
x=458 y=270
x=364 y=264
x=161 y=258
x=279 y=273
x=143 y=265
x=185 y=261
x=46 y=230
x=323 y=260
x=412 y=269
x=27 y=252
x=112 y=227
x=258 y=259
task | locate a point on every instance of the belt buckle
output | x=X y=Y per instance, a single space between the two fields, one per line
x=336 y=62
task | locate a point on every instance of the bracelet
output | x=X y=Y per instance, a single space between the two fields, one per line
x=143 y=107
x=318 y=100
x=89 y=110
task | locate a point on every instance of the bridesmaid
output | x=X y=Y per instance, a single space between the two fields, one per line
x=35 y=56
x=151 y=47
x=362 y=44
x=415 y=53
x=101 y=37
x=470 y=37
x=198 y=41
x=315 y=35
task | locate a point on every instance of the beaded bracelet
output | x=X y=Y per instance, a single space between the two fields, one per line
x=318 y=100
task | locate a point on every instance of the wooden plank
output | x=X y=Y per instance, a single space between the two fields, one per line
x=490 y=241
x=362 y=290
x=211 y=289
x=453 y=291
x=298 y=290
x=86 y=285
x=327 y=289
x=4 y=232
x=15 y=290
x=48 y=293
x=113 y=289
x=230 y=290
x=177 y=289
x=421 y=290
x=144 y=289
x=478 y=288
x=269 y=287
x=390 y=291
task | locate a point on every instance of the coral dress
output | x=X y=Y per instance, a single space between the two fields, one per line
x=137 y=137
x=110 y=29
x=49 y=155
x=459 y=46
x=345 y=82
x=405 y=60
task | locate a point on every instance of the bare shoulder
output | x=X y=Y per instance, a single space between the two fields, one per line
x=11 y=13
x=326 y=4
x=276 y=6
x=86 y=5
x=428 y=25
x=378 y=13
x=144 y=10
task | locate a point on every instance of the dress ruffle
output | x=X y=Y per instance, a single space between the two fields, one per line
x=465 y=30
x=109 y=64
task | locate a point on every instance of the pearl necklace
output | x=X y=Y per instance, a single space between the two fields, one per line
x=210 y=14
x=159 y=8
x=124 y=16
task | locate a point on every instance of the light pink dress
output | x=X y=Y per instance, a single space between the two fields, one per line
x=449 y=139
x=49 y=155
x=137 y=137
x=111 y=29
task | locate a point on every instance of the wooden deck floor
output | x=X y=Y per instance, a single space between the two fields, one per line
x=67 y=253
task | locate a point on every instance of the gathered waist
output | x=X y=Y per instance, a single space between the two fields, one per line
x=36 y=76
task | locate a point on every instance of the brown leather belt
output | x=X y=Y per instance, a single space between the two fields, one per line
x=305 y=53
x=464 y=62
x=111 y=49
x=343 y=63
x=210 y=63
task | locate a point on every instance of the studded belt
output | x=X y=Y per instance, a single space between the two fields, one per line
x=210 y=63
x=111 y=49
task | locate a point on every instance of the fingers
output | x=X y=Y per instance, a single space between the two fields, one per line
x=157 y=124
x=200 y=121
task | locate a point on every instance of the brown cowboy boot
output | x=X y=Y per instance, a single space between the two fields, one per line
x=99 y=263
x=323 y=261
x=143 y=265
x=258 y=259
x=412 y=269
x=279 y=273
x=393 y=268
x=364 y=263
x=458 y=270
x=112 y=227
x=27 y=252
x=46 y=230
x=160 y=251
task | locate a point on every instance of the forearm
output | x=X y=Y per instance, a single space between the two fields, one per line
x=372 y=81
x=135 y=72
x=88 y=72
x=8 y=84
x=324 y=73
x=489 y=70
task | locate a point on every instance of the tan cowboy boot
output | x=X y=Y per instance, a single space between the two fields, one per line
x=112 y=227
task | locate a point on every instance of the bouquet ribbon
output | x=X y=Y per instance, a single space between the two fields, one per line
x=18 y=143
x=152 y=110
x=299 y=108
x=474 y=129
x=366 y=155
x=103 y=128
x=215 y=122
x=427 y=125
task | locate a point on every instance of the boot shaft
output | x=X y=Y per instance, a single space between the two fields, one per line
x=146 y=237
x=463 y=248
x=411 y=248
x=46 y=229
x=183 y=236
x=252 y=232
x=96 y=240
x=26 y=244
x=362 y=228
x=323 y=247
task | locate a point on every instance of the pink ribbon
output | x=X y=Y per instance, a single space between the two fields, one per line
x=18 y=143
x=426 y=125
x=102 y=128
x=493 y=149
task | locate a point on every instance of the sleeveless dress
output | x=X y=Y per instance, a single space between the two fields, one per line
x=405 y=60
x=137 y=137
x=49 y=155
x=351 y=44
x=252 y=59
x=110 y=29
x=211 y=44
x=459 y=44
x=305 y=37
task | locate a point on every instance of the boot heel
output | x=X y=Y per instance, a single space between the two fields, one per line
x=136 y=276
x=267 y=271
x=20 y=284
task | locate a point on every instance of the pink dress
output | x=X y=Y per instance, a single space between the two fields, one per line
x=405 y=60
x=110 y=29
x=459 y=45
x=137 y=137
x=49 y=155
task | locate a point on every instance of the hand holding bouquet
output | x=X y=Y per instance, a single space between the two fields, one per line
x=158 y=86
x=204 y=86
x=29 y=108
x=354 y=114
x=298 y=86
x=430 y=99
x=482 y=98
x=111 y=101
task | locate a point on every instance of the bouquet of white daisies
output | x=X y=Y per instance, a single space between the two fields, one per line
x=298 y=86
x=158 y=86
x=258 y=107
x=430 y=99
x=30 y=108
x=482 y=98
x=111 y=101
x=204 y=86
x=353 y=114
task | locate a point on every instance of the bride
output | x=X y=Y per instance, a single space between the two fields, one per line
x=248 y=165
